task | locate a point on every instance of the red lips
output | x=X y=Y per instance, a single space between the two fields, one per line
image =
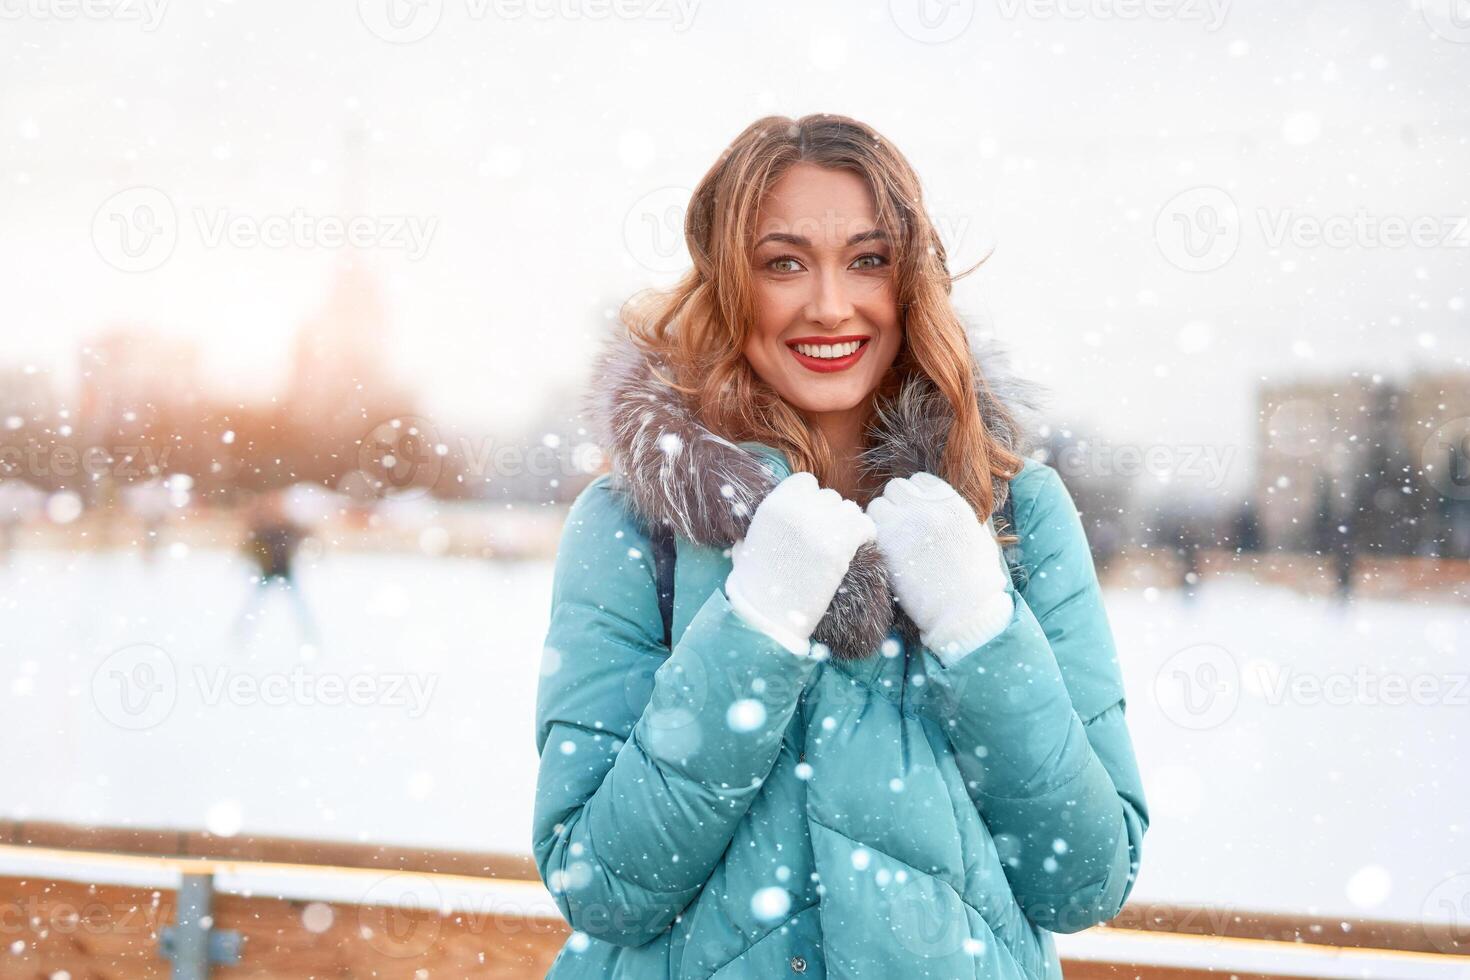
x=826 y=365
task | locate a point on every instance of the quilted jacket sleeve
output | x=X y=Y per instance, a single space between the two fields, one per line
x=649 y=758
x=1036 y=716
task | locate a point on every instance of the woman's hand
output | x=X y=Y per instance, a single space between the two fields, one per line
x=944 y=564
x=793 y=557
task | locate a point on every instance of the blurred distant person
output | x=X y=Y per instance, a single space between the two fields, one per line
x=150 y=503
x=8 y=525
x=1333 y=540
x=1247 y=528
x=272 y=542
x=1188 y=551
x=19 y=501
x=1345 y=554
x=1107 y=544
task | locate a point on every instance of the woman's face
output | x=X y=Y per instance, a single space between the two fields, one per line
x=823 y=286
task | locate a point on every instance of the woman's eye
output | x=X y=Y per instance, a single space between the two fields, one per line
x=877 y=261
x=784 y=263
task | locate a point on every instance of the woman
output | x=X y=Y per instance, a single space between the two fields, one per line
x=866 y=751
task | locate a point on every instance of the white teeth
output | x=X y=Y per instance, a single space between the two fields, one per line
x=829 y=350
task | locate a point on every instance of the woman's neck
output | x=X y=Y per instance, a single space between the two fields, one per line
x=844 y=433
x=853 y=484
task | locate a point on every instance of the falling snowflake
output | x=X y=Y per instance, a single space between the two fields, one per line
x=745 y=715
x=769 y=904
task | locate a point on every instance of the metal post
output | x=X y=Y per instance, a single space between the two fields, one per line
x=192 y=942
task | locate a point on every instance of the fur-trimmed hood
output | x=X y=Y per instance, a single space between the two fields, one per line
x=673 y=470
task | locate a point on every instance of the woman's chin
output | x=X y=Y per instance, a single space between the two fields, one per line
x=824 y=396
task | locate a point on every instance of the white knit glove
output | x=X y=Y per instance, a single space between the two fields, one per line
x=944 y=564
x=795 y=553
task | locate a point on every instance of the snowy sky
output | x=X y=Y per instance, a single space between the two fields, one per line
x=539 y=148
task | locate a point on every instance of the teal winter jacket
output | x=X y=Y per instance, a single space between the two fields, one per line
x=727 y=809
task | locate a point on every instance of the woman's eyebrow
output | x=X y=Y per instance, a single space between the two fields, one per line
x=872 y=234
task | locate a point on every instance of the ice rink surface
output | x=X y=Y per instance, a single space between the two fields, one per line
x=1299 y=755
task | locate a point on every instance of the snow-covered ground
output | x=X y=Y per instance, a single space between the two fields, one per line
x=1299 y=755
x=127 y=702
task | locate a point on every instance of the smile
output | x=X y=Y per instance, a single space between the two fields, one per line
x=827 y=354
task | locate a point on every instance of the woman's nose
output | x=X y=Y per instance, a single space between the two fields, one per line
x=829 y=304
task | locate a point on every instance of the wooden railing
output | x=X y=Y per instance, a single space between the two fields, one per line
x=276 y=850
x=338 y=909
x=1374 y=576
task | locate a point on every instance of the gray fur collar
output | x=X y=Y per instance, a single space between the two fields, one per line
x=673 y=470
